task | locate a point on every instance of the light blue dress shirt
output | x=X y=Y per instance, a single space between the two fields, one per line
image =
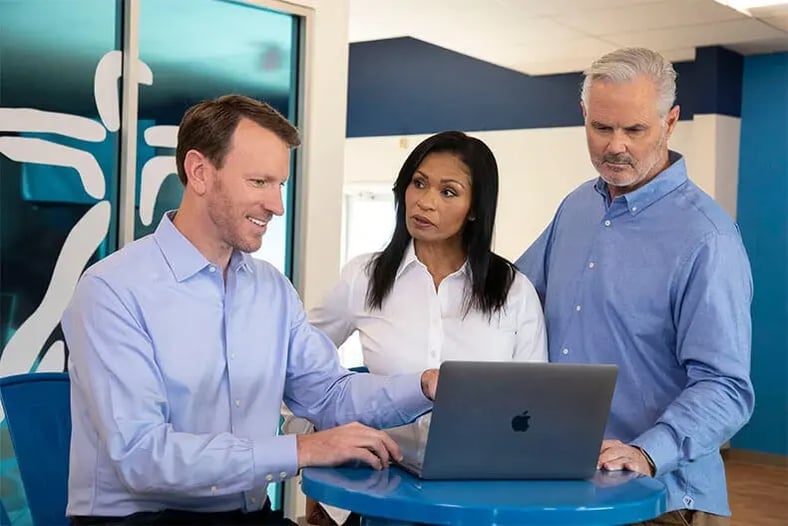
x=656 y=281
x=177 y=378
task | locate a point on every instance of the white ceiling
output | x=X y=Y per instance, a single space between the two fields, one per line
x=556 y=36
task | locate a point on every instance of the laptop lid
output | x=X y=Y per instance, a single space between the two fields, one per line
x=514 y=420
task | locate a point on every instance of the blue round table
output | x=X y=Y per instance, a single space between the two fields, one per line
x=394 y=497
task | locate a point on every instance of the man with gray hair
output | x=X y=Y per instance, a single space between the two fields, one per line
x=641 y=268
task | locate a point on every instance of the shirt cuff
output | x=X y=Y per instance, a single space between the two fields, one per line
x=412 y=402
x=274 y=459
x=661 y=445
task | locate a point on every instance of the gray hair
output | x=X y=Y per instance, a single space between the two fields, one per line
x=624 y=65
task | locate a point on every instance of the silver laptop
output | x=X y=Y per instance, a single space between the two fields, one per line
x=511 y=420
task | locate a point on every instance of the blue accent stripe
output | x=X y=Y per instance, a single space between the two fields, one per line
x=762 y=211
x=405 y=86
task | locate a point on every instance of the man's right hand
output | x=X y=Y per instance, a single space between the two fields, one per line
x=347 y=443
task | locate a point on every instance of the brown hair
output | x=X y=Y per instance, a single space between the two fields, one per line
x=209 y=125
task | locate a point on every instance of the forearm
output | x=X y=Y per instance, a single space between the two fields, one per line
x=697 y=423
x=164 y=461
x=373 y=400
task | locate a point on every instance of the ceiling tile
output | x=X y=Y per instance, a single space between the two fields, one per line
x=522 y=30
x=559 y=7
x=575 y=54
x=657 y=15
x=731 y=32
x=541 y=36
x=780 y=22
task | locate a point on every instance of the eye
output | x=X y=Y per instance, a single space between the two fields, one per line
x=259 y=183
x=601 y=127
x=634 y=130
x=418 y=183
x=449 y=192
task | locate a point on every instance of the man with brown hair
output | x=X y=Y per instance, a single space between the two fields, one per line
x=183 y=347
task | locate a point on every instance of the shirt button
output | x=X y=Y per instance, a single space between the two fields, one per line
x=634 y=209
x=269 y=477
x=254 y=500
x=591 y=264
x=283 y=475
x=212 y=268
x=213 y=489
x=607 y=222
x=237 y=403
x=232 y=354
x=578 y=308
x=565 y=351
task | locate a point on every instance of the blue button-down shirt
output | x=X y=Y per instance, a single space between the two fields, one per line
x=177 y=377
x=656 y=281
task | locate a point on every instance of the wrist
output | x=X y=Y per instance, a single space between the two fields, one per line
x=427 y=383
x=301 y=451
x=652 y=467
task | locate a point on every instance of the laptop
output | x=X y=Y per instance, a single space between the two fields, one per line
x=511 y=420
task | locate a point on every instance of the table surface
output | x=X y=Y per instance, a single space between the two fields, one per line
x=608 y=498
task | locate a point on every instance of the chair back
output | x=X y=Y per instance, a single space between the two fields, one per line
x=38 y=416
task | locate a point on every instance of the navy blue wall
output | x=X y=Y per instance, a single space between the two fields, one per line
x=763 y=218
x=404 y=86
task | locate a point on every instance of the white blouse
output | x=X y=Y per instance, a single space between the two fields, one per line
x=419 y=327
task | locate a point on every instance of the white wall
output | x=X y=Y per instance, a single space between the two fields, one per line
x=538 y=167
x=715 y=157
x=319 y=189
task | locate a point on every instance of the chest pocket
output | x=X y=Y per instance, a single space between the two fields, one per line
x=479 y=339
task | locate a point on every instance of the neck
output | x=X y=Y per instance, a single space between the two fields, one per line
x=196 y=226
x=441 y=258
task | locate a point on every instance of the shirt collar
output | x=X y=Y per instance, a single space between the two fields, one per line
x=665 y=182
x=183 y=257
x=409 y=258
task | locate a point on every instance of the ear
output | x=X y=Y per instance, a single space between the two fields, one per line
x=671 y=120
x=583 y=109
x=197 y=166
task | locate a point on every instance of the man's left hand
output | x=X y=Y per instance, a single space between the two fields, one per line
x=429 y=383
x=615 y=456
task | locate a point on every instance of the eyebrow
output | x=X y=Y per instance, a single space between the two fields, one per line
x=627 y=127
x=455 y=181
x=262 y=175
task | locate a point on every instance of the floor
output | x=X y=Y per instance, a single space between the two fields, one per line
x=758 y=493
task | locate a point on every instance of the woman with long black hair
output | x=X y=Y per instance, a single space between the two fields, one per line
x=437 y=291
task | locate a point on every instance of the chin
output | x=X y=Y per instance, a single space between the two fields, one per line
x=620 y=179
x=249 y=246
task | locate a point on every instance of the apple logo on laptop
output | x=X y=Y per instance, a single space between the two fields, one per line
x=520 y=422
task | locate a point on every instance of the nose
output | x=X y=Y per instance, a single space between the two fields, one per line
x=618 y=142
x=426 y=201
x=273 y=201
